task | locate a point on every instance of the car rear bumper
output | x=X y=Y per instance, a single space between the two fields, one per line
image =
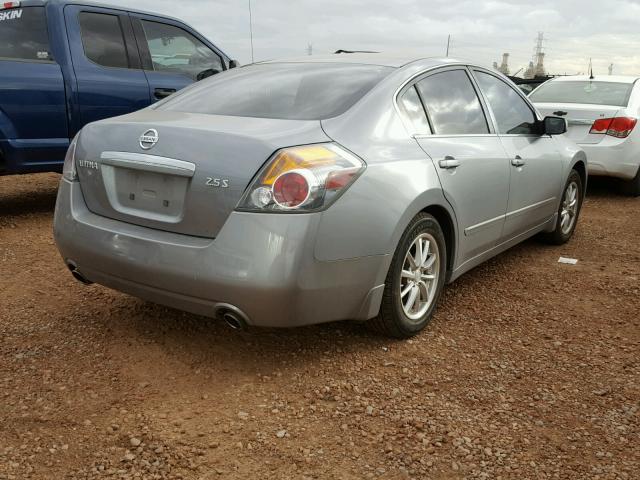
x=613 y=158
x=262 y=264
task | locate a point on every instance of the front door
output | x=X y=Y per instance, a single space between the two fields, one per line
x=534 y=159
x=172 y=57
x=468 y=157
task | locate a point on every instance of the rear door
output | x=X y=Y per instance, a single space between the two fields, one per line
x=106 y=62
x=33 y=115
x=534 y=159
x=468 y=156
x=173 y=56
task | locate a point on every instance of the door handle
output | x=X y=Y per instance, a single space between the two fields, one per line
x=518 y=161
x=163 y=92
x=449 y=162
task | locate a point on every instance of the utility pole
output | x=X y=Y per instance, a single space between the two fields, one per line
x=251 y=30
x=448 y=43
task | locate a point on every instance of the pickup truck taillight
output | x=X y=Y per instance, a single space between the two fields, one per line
x=619 y=127
x=6 y=5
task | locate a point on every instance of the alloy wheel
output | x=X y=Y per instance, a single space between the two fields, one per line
x=419 y=276
x=569 y=211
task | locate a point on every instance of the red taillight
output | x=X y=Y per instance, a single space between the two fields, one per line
x=619 y=127
x=6 y=5
x=601 y=126
x=291 y=189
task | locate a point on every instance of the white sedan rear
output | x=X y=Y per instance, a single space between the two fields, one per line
x=602 y=114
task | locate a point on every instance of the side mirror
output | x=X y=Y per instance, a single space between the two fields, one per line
x=554 y=126
x=233 y=64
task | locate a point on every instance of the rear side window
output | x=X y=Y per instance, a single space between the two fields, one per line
x=175 y=50
x=452 y=104
x=102 y=39
x=593 y=93
x=512 y=113
x=412 y=108
x=23 y=34
x=294 y=91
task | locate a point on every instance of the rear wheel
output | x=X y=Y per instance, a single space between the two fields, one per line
x=569 y=210
x=415 y=279
x=632 y=187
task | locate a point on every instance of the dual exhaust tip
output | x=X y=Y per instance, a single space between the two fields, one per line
x=230 y=314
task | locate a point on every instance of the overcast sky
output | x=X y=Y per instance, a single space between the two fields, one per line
x=575 y=30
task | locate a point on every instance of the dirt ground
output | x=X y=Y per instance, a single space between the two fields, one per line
x=530 y=370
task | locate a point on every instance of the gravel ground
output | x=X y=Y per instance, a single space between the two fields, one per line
x=530 y=370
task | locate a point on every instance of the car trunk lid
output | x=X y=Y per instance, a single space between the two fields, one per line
x=191 y=178
x=580 y=118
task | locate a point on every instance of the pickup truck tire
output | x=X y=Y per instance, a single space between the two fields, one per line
x=395 y=318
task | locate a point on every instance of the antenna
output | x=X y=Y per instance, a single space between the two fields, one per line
x=251 y=30
x=448 y=43
x=591 y=77
x=310 y=49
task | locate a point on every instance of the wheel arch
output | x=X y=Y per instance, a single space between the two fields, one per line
x=446 y=222
x=579 y=164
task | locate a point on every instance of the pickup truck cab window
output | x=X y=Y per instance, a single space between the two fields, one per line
x=23 y=34
x=103 y=40
x=175 y=50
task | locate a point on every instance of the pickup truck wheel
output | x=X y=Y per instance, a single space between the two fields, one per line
x=415 y=279
x=569 y=210
x=632 y=187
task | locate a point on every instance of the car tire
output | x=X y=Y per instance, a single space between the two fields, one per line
x=632 y=187
x=568 y=211
x=402 y=316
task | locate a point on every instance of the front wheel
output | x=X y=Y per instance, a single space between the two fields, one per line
x=415 y=279
x=569 y=210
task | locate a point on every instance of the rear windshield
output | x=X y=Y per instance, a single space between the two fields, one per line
x=295 y=91
x=593 y=93
x=23 y=34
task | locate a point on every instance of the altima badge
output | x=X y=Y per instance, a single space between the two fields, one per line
x=149 y=138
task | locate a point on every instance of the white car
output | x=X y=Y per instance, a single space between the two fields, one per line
x=602 y=114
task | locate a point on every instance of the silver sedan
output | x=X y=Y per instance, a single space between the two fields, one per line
x=326 y=188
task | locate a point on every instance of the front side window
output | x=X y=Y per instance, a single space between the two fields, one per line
x=174 y=50
x=23 y=34
x=587 y=92
x=452 y=104
x=292 y=91
x=102 y=39
x=412 y=108
x=511 y=112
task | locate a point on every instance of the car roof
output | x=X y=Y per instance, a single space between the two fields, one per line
x=89 y=3
x=395 y=60
x=597 y=78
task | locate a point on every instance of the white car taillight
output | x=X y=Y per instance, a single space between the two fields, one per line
x=69 y=169
x=302 y=179
x=619 y=127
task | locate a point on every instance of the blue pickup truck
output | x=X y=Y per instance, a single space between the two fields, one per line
x=64 y=64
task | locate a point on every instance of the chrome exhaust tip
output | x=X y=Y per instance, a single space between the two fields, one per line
x=232 y=316
x=73 y=268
